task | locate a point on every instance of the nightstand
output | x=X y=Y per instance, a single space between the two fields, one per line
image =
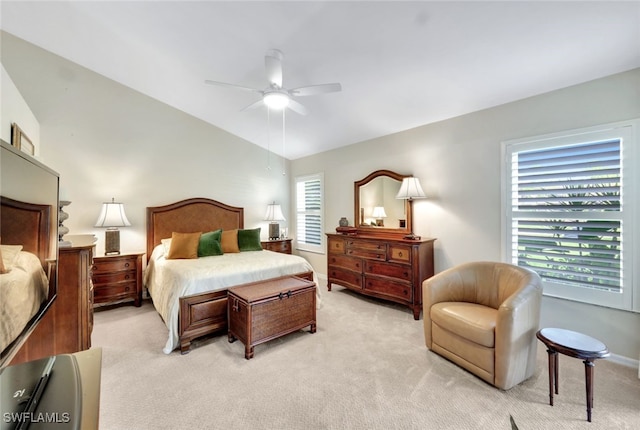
x=117 y=278
x=278 y=245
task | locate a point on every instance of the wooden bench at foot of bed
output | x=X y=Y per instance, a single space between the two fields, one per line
x=206 y=313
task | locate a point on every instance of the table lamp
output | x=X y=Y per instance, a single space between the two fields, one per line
x=111 y=217
x=410 y=190
x=274 y=214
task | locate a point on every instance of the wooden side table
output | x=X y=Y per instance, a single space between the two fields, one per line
x=117 y=278
x=278 y=245
x=572 y=344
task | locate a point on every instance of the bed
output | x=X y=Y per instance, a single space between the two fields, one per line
x=24 y=249
x=191 y=295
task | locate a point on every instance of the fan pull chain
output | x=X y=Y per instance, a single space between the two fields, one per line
x=268 y=138
x=284 y=159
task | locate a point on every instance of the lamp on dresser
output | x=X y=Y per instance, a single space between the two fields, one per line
x=410 y=189
x=111 y=217
x=273 y=215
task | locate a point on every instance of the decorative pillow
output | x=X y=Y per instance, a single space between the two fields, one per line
x=249 y=240
x=210 y=244
x=229 y=241
x=166 y=245
x=184 y=245
x=9 y=253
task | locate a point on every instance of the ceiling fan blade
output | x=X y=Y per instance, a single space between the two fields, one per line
x=273 y=66
x=253 y=105
x=224 y=84
x=312 y=90
x=297 y=107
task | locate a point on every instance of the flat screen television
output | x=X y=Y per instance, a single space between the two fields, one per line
x=28 y=235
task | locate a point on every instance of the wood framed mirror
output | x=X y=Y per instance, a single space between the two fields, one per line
x=377 y=211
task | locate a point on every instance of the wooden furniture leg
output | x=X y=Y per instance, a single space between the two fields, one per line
x=553 y=365
x=588 y=373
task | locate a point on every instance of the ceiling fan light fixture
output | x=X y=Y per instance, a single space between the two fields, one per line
x=276 y=100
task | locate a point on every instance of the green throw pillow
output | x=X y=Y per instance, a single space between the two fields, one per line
x=249 y=240
x=210 y=244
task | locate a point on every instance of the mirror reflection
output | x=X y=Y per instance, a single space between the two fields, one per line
x=376 y=207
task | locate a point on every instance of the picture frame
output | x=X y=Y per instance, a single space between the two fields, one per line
x=21 y=141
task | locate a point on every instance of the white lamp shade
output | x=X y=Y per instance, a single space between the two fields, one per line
x=410 y=189
x=378 y=212
x=274 y=213
x=112 y=215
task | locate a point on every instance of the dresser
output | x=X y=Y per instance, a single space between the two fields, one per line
x=388 y=268
x=117 y=278
x=66 y=327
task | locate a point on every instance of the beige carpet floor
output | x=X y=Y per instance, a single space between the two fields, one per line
x=365 y=368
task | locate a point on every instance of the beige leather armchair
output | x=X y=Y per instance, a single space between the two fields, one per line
x=483 y=316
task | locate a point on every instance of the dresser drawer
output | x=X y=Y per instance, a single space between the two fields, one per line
x=400 y=253
x=388 y=288
x=112 y=292
x=109 y=278
x=336 y=246
x=345 y=278
x=346 y=262
x=388 y=269
x=112 y=264
x=366 y=245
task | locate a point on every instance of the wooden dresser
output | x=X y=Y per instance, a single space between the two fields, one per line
x=67 y=325
x=278 y=245
x=384 y=267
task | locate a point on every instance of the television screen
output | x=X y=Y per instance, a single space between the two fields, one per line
x=28 y=246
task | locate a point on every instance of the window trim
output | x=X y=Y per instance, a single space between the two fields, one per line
x=303 y=246
x=629 y=299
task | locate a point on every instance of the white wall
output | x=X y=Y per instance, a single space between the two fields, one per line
x=106 y=140
x=458 y=163
x=13 y=108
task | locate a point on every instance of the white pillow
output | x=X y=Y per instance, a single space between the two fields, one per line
x=9 y=255
x=166 y=244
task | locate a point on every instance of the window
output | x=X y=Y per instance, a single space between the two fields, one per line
x=309 y=207
x=569 y=205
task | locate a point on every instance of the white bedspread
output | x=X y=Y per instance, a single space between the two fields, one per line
x=167 y=280
x=22 y=291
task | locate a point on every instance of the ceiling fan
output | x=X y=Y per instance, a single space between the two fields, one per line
x=275 y=96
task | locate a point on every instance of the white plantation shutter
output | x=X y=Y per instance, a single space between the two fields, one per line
x=309 y=209
x=566 y=220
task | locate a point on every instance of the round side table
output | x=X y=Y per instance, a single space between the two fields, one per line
x=572 y=344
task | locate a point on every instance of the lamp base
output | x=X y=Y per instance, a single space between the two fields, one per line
x=274 y=231
x=112 y=242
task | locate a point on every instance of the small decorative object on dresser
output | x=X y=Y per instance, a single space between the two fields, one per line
x=117 y=278
x=282 y=246
x=62 y=217
x=344 y=222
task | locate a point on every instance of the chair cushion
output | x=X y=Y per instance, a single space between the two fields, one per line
x=470 y=321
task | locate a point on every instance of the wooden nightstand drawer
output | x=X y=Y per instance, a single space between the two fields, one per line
x=282 y=246
x=110 y=278
x=117 y=278
x=113 y=292
x=113 y=264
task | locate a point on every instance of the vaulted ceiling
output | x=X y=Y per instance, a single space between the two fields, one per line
x=401 y=64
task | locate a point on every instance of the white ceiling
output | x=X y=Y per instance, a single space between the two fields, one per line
x=401 y=64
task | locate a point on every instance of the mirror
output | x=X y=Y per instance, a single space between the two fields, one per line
x=377 y=211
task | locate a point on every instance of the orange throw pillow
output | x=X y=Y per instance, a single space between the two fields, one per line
x=184 y=245
x=229 y=241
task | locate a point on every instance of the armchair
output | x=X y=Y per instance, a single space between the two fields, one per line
x=483 y=316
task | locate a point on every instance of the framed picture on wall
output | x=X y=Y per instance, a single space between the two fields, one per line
x=21 y=141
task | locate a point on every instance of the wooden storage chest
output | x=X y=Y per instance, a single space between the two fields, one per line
x=265 y=310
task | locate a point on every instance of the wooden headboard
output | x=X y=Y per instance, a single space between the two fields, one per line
x=26 y=224
x=189 y=216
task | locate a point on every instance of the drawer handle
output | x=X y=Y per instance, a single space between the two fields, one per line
x=235 y=307
x=400 y=254
x=126 y=264
x=127 y=276
x=126 y=288
x=282 y=294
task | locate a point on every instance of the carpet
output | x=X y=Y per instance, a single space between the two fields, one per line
x=366 y=367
